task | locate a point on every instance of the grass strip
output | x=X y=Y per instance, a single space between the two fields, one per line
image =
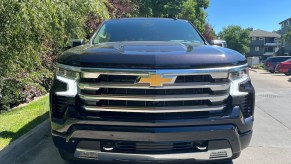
x=20 y=120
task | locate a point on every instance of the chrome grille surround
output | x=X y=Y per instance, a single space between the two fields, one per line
x=214 y=98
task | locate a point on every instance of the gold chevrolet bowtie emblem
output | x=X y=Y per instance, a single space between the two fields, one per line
x=156 y=80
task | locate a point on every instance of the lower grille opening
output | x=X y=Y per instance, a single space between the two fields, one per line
x=151 y=116
x=151 y=147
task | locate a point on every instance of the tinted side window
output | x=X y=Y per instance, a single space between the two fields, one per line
x=281 y=59
x=269 y=59
x=277 y=59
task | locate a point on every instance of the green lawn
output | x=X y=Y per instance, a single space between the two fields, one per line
x=20 y=120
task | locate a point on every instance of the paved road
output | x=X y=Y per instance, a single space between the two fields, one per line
x=271 y=142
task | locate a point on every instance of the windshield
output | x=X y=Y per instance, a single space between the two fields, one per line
x=147 y=30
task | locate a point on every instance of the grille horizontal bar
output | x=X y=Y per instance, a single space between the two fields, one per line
x=213 y=73
x=176 y=109
x=212 y=86
x=155 y=98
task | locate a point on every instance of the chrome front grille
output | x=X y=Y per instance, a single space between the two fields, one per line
x=117 y=91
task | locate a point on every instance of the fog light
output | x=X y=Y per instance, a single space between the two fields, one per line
x=201 y=146
x=108 y=146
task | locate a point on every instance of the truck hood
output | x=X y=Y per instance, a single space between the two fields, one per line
x=150 y=55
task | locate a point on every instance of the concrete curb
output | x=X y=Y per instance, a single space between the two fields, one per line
x=24 y=143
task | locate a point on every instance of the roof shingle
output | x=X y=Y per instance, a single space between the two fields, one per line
x=262 y=33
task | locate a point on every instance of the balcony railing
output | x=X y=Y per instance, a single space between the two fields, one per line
x=269 y=53
x=271 y=44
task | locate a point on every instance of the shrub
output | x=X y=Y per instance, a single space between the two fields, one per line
x=32 y=34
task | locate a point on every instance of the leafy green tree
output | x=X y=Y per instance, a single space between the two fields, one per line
x=192 y=10
x=236 y=37
x=121 y=8
x=208 y=33
x=157 y=8
x=32 y=33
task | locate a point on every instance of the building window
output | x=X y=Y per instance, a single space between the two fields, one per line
x=283 y=43
x=261 y=38
x=257 y=48
x=287 y=23
x=254 y=38
x=282 y=25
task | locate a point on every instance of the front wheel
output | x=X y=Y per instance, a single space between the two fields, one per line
x=271 y=71
x=287 y=74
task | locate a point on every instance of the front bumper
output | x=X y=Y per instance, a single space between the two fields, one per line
x=234 y=130
x=283 y=70
x=124 y=157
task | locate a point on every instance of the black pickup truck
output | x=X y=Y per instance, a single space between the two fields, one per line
x=150 y=90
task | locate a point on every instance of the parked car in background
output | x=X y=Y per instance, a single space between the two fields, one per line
x=285 y=67
x=271 y=63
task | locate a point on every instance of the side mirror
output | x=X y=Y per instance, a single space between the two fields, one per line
x=76 y=42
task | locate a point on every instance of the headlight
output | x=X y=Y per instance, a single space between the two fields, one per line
x=70 y=78
x=67 y=73
x=241 y=74
x=236 y=78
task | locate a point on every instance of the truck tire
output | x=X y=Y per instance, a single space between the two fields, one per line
x=272 y=71
x=287 y=74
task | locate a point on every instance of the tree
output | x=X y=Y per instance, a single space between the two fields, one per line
x=192 y=10
x=120 y=8
x=32 y=34
x=208 y=33
x=236 y=37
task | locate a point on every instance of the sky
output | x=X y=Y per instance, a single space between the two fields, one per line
x=258 y=14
